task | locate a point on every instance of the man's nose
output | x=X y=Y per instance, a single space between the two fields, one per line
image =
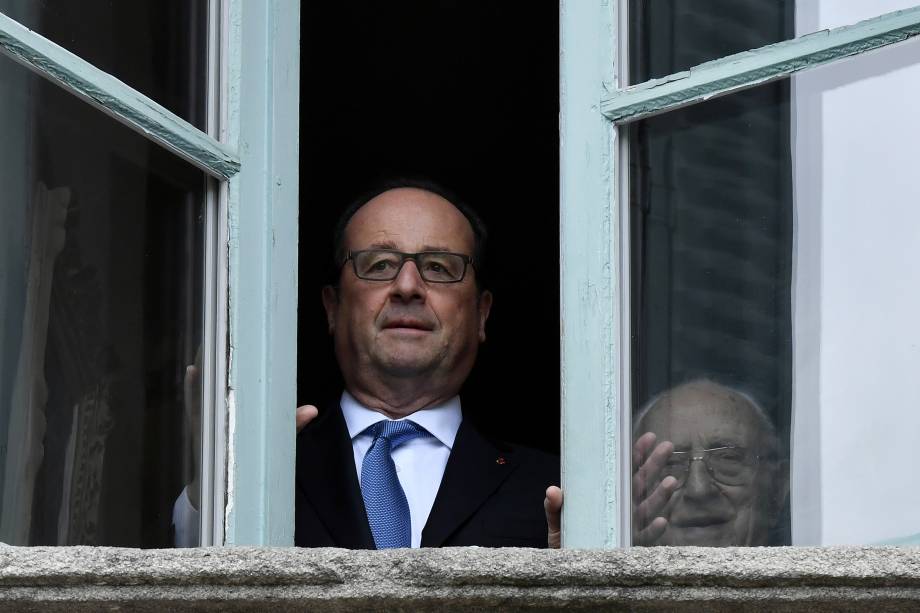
x=408 y=284
x=699 y=483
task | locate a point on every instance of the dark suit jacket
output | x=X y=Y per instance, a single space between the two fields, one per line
x=491 y=494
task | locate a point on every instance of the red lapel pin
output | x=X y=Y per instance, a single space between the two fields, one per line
x=500 y=460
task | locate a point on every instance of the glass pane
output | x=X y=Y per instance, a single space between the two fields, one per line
x=158 y=47
x=101 y=311
x=775 y=242
x=667 y=36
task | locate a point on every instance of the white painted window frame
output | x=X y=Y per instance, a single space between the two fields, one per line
x=595 y=104
x=252 y=291
x=250 y=152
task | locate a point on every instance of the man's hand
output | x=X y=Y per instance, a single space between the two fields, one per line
x=649 y=458
x=305 y=414
x=552 y=504
x=191 y=384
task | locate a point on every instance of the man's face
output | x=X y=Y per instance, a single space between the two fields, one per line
x=704 y=511
x=407 y=329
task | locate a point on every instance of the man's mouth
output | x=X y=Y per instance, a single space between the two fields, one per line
x=408 y=324
x=700 y=521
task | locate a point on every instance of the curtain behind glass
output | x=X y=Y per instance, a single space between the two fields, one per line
x=102 y=278
x=711 y=214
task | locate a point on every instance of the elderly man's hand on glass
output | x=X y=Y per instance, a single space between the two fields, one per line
x=650 y=493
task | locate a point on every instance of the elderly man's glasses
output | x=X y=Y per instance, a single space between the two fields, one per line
x=728 y=465
x=385 y=264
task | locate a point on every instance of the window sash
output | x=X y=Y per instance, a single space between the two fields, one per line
x=590 y=370
x=757 y=66
x=594 y=235
x=263 y=84
x=251 y=275
x=119 y=101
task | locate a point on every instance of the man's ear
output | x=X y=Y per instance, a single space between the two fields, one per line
x=774 y=491
x=330 y=303
x=781 y=487
x=485 y=305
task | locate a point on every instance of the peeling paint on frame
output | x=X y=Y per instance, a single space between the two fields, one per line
x=590 y=410
x=263 y=119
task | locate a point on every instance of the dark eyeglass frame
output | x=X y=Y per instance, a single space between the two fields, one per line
x=702 y=455
x=403 y=256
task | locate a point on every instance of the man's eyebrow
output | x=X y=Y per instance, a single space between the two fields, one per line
x=384 y=245
x=724 y=442
x=392 y=246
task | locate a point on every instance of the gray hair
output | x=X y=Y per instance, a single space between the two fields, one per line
x=740 y=398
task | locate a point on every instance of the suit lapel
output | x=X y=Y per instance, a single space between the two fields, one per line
x=474 y=471
x=327 y=479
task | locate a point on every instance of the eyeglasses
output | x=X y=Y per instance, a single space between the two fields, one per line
x=385 y=264
x=728 y=465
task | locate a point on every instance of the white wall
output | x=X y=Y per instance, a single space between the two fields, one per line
x=856 y=439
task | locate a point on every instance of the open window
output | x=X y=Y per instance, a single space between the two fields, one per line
x=465 y=94
x=758 y=298
x=761 y=239
x=137 y=138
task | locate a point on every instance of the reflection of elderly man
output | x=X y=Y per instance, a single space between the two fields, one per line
x=714 y=478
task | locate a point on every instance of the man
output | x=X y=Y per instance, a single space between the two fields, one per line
x=186 y=516
x=393 y=463
x=715 y=479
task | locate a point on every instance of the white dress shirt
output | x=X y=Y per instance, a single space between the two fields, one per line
x=185 y=521
x=419 y=462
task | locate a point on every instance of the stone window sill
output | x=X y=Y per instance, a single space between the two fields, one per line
x=644 y=579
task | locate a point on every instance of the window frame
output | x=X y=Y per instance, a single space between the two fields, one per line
x=263 y=82
x=250 y=151
x=596 y=104
x=590 y=409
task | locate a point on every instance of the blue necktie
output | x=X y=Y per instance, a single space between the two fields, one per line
x=384 y=499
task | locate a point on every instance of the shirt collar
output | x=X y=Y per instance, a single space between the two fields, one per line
x=442 y=420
